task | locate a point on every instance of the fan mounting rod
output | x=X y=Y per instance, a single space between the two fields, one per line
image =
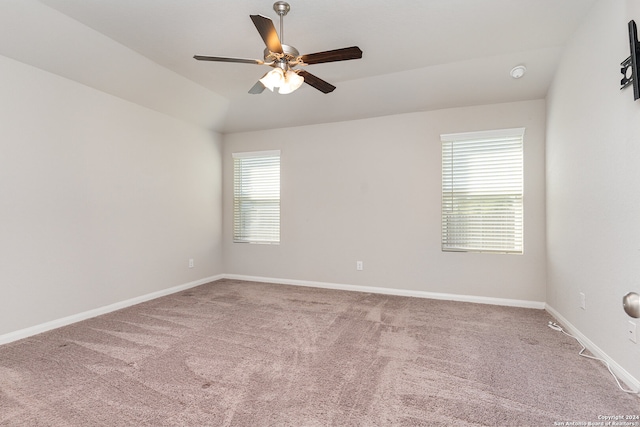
x=281 y=8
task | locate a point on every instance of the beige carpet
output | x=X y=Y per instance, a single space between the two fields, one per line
x=252 y=354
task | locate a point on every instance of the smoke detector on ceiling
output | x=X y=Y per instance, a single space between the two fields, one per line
x=518 y=71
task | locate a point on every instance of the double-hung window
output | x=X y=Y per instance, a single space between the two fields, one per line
x=482 y=191
x=256 y=197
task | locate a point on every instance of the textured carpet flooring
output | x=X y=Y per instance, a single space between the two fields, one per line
x=253 y=354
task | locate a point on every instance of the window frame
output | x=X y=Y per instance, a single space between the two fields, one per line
x=249 y=200
x=505 y=198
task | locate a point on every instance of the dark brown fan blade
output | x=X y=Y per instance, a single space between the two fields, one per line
x=268 y=32
x=316 y=82
x=257 y=88
x=343 y=54
x=221 y=59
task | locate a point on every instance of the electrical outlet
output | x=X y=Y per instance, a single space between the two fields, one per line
x=190 y=262
x=632 y=331
x=583 y=301
x=359 y=266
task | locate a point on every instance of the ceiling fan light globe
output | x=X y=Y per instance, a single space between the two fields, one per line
x=285 y=89
x=274 y=78
x=292 y=82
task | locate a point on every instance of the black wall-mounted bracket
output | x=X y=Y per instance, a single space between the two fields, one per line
x=629 y=67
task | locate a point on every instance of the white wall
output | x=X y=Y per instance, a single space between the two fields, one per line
x=593 y=184
x=370 y=190
x=101 y=200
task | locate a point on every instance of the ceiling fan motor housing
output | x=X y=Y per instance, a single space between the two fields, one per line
x=290 y=54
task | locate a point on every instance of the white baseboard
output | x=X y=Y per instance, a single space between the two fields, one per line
x=43 y=327
x=392 y=291
x=618 y=370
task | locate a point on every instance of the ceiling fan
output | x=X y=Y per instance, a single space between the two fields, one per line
x=284 y=58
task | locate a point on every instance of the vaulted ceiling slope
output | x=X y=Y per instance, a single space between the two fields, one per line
x=418 y=54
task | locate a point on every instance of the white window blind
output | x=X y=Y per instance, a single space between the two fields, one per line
x=256 y=197
x=482 y=191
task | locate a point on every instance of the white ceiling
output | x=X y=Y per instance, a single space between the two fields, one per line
x=418 y=54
